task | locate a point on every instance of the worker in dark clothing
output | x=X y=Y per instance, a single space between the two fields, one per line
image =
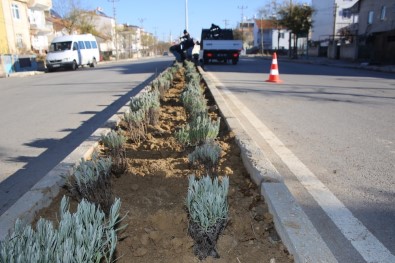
x=186 y=44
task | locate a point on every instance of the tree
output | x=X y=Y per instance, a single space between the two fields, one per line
x=297 y=19
x=74 y=16
x=270 y=12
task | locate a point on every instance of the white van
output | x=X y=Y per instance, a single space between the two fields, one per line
x=72 y=51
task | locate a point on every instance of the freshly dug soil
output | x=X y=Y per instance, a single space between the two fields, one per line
x=153 y=192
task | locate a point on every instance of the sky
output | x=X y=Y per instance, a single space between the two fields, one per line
x=165 y=18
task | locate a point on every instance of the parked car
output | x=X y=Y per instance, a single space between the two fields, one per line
x=72 y=51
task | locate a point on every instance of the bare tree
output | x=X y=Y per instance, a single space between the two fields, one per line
x=74 y=16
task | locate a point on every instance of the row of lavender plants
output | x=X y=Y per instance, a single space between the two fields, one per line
x=207 y=194
x=89 y=234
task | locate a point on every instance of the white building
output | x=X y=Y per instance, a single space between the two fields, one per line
x=40 y=28
x=329 y=17
x=269 y=36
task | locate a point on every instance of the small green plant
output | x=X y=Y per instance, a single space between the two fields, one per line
x=206 y=155
x=153 y=109
x=149 y=103
x=208 y=212
x=135 y=124
x=199 y=130
x=91 y=180
x=85 y=236
x=115 y=143
x=193 y=100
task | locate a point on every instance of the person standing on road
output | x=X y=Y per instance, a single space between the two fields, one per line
x=187 y=44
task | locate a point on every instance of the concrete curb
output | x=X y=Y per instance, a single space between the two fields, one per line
x=292 y=224
x=25 y=74
x=43 y=192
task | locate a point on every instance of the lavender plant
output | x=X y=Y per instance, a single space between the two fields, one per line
x=206 y=155
x=85 y=236
x=115 y=142
x=208 y=212
x=198 y=130
x=135 y=124
x=91 y=180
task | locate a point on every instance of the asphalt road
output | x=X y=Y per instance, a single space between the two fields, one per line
x=333 y=143
x=45 y=117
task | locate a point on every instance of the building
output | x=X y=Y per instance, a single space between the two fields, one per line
x=40 y=27
x=376 y=30
x=268 y=35
x=329 y=17
x=18 y=26
x=3 y=34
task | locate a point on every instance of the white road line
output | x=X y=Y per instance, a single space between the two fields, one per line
x=370 y=248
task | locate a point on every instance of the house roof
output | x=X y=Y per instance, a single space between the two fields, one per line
x=267 y=24
x=58 y=23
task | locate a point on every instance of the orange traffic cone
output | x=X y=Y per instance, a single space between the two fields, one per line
x=274 y=76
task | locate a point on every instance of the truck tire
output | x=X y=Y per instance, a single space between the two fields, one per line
x=205 y=61
x=74 y=66
x=93 y=64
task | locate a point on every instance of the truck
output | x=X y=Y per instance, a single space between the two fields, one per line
x=72 y=51
x=218 y=44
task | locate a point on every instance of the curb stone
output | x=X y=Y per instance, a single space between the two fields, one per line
x=293 y=226
x=45 y=190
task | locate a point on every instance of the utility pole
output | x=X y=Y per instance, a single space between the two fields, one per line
x=334 y=19
x=115 y=28
x=155 y=41
x=141 y=20
x=186 y=15
x=226 y=22
x=290 y=34
x=241 y=23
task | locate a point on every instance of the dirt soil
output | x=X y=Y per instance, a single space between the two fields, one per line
x=153 y=192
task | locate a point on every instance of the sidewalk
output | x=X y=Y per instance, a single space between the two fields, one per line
x=335 y=62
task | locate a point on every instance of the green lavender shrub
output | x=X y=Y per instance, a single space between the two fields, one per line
x=208 y=213
x=84 y=236
x=115 y=144
x=153 y=107
x=206 y=155
x=198 y=130
x=135 y=124
x=193 y=100
x=91 y=180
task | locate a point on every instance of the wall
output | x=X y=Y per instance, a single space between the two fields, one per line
x=17 y=27
x=349 y=51
x=323 y=18
x=3 y=34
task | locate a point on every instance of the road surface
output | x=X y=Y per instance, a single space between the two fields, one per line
x=329 y=131
x=45 y=117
